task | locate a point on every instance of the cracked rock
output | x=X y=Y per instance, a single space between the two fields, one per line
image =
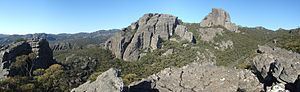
x=197 y=77
x=108 y=81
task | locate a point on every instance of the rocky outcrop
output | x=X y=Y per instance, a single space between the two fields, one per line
x=108 y=81
x=219 y=17
x=208 y=34
x=145 y=35
x=61 y=46
x=198 y=77
x=9 y=53
x=183 y=33
x=277 y=67
x=223 y=45
x=119 y=42
x=43 y=51
x=274 y=69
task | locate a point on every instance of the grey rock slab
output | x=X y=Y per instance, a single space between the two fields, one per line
x=108 y=81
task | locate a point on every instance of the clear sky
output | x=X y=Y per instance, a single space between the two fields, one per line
x=72 y=16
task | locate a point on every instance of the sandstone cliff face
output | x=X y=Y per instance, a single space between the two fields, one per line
x=9 y=53
x=108 y=81
x=219 y=17
x=145 y=35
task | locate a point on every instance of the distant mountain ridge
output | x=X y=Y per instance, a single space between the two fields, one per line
x=5 y=39
x=64 y=40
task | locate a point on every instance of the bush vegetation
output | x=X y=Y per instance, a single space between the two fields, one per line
x=20 y=39
x=52 y=79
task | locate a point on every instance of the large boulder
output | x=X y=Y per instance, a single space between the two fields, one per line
x=275 y=65
x=183 y=33
x=197 y=77
x=144 y=35
x=9 y=53
x=276 y=62
x=108 y=81
x=219 y=17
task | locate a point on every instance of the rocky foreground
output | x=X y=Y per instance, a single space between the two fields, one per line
x=273 y=70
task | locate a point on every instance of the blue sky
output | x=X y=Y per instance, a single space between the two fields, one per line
x=72 y=16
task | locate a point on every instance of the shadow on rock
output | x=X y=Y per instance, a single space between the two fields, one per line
x=144 y=86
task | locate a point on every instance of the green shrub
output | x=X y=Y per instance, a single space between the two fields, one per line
x=38 y=72
x=128 y=78
x=94 y=76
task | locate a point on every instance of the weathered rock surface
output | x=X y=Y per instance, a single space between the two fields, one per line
x=61 y=46
x=276 y=65
x=223 y=45
x=145 y=35
x=275 y=70
x=219 y=17
x=9 y=53
x=277 y=62
x=119 y=42
x=108 y=81
x=182 y=32
x=197 y=77
x=208 y=34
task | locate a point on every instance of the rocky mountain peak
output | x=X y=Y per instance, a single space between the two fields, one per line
x=216 y=17
x=163 y=24
x=145 y=35
x=219 y=17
